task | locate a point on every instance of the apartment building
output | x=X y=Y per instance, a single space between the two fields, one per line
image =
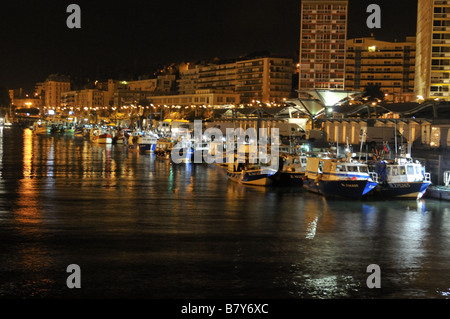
x=268 y=80
x=432 y=78
x=207 y=98
x=389 y=65
x=187 y=82
x=83 y=99
x=323 y=36
x=265 y=79
x=218 y=77
x=52 y=89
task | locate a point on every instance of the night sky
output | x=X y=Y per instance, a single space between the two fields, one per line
x=120 y=39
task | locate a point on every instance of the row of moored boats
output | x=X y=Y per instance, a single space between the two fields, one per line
x=321 y=172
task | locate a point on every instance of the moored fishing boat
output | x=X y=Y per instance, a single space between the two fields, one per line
x=250 y=172
x=334 y=177
x=163 y=148
x=292 y=170
x=40 y=128
x=142 y=141
x=100 y=136
x=147 y=143
x=401 y=177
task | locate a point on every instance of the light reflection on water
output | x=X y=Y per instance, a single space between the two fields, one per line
x=145 y=228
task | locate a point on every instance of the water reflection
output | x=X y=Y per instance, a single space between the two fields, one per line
x=184 y=231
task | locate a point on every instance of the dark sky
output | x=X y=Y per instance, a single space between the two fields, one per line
x=122 y=37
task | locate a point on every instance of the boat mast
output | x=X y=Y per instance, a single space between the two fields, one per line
x=362 y=141
x=395 y=136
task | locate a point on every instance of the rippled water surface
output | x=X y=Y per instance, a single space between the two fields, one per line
x=141 y=227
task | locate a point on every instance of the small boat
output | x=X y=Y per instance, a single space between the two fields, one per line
x=250 y=172
x=401 y=177
x=40 y=128
x=163 y=148
x=147 y=143
x=142 y=142
x=78 y=132
x=292 y=170
x=122 y=136
x=338 y=177
x=100 y=136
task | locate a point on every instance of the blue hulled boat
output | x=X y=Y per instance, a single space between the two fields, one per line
x=401 y=177
x=248 y=170
x=334 y=177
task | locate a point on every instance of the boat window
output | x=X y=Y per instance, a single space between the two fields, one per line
x=352 y=168
x=410 y=169
x=320 y=167
x=363 y=169
x=339 y=168
x=402 y=170
x=394 y=171
x=296 y=161
x=418 y=170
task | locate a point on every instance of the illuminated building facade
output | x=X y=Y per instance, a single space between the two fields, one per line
x=389 y=65
x=265 y=80
x=52 y=88
x=268 y=80
x=432 y=78
x=323 y=35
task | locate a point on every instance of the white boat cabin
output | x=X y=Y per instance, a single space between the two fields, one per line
x=405 y=170
x=334 y=169
x=294 y=163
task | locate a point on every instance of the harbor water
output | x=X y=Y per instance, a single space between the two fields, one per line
x=142 y=227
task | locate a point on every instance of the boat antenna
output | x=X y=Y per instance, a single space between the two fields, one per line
x=395 y=136
x=362 y=141
x=337 y=142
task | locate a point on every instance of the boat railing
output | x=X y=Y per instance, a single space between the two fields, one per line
x=447 y=178
x=374 y=176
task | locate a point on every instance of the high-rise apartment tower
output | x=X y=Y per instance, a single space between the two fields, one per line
x=432 y=76
x=323 y=35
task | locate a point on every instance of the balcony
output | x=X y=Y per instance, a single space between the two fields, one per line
x=441 y=41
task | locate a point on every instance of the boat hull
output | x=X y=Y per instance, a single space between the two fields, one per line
x=102 y=139
x=147 y=148
x=289 y=179
x=402 y=190
x=356 y=189
x=251 y=178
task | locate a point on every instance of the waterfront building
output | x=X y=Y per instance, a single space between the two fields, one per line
x=217 y=77
x=27 y=102
x=267 y=80
x=323 y=35
x=148 y=85
x=260 y=80
x=432 y=77
x=188 y=79
x=82 y=100
x=389 y=65
x=125 y=97
x=52 y=89
x=206 y=98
